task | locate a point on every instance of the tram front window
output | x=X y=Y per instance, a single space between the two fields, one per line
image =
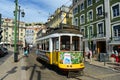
x=75 y=43
x=65 y=43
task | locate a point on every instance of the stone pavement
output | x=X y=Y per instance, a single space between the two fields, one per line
x=11 y=70
x=108 y=64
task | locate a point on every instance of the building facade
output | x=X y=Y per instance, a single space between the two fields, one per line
x=31 y=32
x=8 y=32
x=59 y=17
x=115 y=25
x=99 y=21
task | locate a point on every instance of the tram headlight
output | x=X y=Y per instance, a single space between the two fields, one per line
x=81 y=64
x=67 y=65
x=70 y=65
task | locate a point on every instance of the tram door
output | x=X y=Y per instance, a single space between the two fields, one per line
x=55 y=50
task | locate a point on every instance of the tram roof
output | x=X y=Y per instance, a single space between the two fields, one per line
x=74 y=31
x=61 y=32
x=64 y=28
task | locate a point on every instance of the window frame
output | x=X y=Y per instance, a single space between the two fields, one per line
x=113 y=30
x=98 y=28
x=101 y=5
x=89 y=32
x=83 y=31
x=88 y=20
x=83 y=7
x=88 y=5
x=118 y=3
x=75 y=11
x=81 y=18
x=75 y=21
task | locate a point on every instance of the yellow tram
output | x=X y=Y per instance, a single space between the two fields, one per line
x=62 y=47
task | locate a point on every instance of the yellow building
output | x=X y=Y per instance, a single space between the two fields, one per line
x=62 y=15
x=8 y=32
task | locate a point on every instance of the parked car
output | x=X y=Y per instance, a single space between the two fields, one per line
x=5 y=50
x=1 y=53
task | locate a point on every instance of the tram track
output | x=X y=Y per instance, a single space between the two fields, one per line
x=92 y=77
x=74 y=76
x=89 y=77
x=45 y=69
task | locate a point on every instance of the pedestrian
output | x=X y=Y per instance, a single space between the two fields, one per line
x=25 y=51
x=37 y=51
x=90 y=56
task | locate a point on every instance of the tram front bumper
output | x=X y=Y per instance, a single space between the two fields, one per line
x=71 y=66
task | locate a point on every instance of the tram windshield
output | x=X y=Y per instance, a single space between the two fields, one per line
x=70 y=43
x=65 y=42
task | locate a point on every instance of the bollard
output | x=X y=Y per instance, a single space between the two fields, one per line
x=16 y=57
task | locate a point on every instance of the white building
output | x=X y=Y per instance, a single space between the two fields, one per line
x=31 y=33
x=8 y=32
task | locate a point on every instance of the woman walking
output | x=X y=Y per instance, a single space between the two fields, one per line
x=26 y=51
x=90 y=56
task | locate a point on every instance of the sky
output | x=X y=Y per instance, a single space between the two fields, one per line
x=35 y=10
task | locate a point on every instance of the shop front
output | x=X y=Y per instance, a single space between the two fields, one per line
x=115 y=53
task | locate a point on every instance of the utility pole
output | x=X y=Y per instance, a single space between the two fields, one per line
x=0 y=27
x=18 y=29
x=89 y=32
x=15 y=33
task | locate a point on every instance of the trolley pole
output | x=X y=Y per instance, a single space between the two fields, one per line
x=15 y=33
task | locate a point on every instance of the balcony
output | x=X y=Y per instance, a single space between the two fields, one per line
x=100 y=35
x=115 y=40
x=95 y=36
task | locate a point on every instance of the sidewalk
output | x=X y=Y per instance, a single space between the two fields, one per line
x=11 y=70
x=110 y=65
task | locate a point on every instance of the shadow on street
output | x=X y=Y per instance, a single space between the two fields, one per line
x=13 y=70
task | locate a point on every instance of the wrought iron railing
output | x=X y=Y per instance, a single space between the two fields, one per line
x=116 y=38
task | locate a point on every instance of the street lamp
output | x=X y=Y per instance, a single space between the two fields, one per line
x=15 y=30
x=22 y=14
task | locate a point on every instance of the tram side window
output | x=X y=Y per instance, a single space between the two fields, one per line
x=47 y=45
x=42 y=46
x=55 y=44
x=65 y=42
